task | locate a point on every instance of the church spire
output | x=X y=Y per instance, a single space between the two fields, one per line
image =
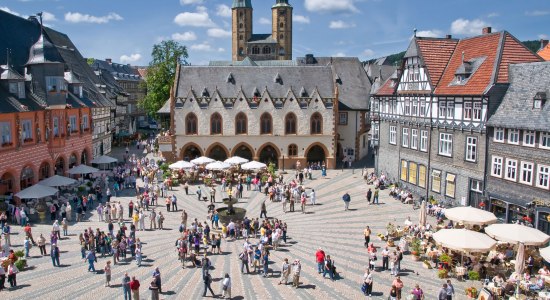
x=242 y=4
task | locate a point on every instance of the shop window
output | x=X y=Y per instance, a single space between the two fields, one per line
x=422 y=176
x=412 y=173
x=450 y=185
x=436 y=181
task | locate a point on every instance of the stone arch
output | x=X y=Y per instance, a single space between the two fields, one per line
x=60 y=165
x=45 y=170
x=313 y=153
x=73 y=160
x=266 y=155
x=243 y=150
x=190 y=151
x=28 y=176
x=8 y=182
x=217 y=151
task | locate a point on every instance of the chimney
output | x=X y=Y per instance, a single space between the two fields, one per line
x=310 y=59
x=543 y=43
x=34 y=19
x=448 y=36
x=487 y=30
x=109 y=60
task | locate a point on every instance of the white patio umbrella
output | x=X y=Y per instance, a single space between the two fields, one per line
x=82 y=169
x=236 y=160
x=104 y=159
x=470 y=216
x=516 y=233
x=218 y=165
x=423 y=214
x=545 y=253
x=203 y=160
x=56 y=181
x=36 y=191
x=519 y=266
x=464 y=240
x=182 y=164
x=253 y=165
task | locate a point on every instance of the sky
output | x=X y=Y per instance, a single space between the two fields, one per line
x=126 y=30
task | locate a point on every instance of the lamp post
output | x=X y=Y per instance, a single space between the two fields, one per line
x=283 y=162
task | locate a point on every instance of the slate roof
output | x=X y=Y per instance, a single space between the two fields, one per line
x=248 y=79
x=262 y=39
x=245 y=62
x=8 y=73
x=119 y=71
x=355 y=86
x=516 y=109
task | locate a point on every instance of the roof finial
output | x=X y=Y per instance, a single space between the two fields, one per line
x=414 y=30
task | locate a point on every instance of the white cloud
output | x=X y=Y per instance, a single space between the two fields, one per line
x=186 y=2
x=202 y=47
x=368 y=52
x=218 y=33
x=86 y=18
x=265 y=21
x=223 y=11
x=468 y=27
x=493 y=15
x=300 y=19
x=196 y=19
x=429 y=33
x=132 y=58
x=48 y=17
x=340 y=25
x=331 y=6
x=6 y=9
x=543 y=36
x=339 y=54
x=184 y=37
x=537 y=13
x=221 y=50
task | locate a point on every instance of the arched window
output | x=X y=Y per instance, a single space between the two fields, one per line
x=241 y=126
x=241 y=51
x=281 y=51
x=241 y=37
x=216 y=124
x=266 y=50
x=191 y=124
x=241 y=25
x=255 y=50
x=281 y=36
x=292 y=150
x=316 y=124
x=282 y=25
x=290 y=124
x=266 y=124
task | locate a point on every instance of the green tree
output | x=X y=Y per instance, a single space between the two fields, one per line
x=161 y=74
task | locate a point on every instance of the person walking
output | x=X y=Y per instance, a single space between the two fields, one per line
x=385 y=259
x=320 y=259
x=186 y=188
x=207 y=279
x=418 y=293
x=199 y=193
x=167 y=202
x=42 y=245
x=285 y=271
x=367 y=232
x=158 y=281
x=107 y=271
x=376 y=192
x=369 y=195
x=312 y=197
x=213 y=195
x=126 y=287
x=65 y=226
x=296 y=269
x=152 y=219
x=328 y=264
x=263 y=210
x=154 y=290
x=134 y=287
x=368 y=282
x=12 y=274
x=54 y=253
x=244 y=261
x=27 y=245
x=450 y=290
x=347 y=200
x=226 y=287
x=174 y=200
x=2 y=279
x=265 y=261
x=442 y=295
x=398 y=286
x=91 y=258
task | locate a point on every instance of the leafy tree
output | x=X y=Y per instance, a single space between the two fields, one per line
x=161 y=74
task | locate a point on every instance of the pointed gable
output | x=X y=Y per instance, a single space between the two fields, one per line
x=435 y=54
x=513 y=52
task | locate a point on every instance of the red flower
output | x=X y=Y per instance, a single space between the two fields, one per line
x=482 y=204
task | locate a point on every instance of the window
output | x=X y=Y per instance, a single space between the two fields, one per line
x=405 y=138
x=72 y=124
x=450 y=185
x=450 y=110
x=414 y=108
x=513 y=136
x=6 y=133
x=241 y=126
x=292 y=150
x=77 y=90
x=499 y=135
x=537 y=103
x=342 y=118
x=544 y=140
x=281 y=51
x=375 y=131
x=543 y=177
x=404 y=170
x=316 y=124
x=56 y=127
x=393 y=135
x=526 y=173
x=13 y=87
x=282 y=25
x=529 y=138
x=471 y=148
x=511 y=169
x=477 y=111
x=265 y=124
x=241 y=38
x=436 y=181
x=191 y=124
x=407 y=107
x=216 y=124
x=467 y=110
x=241 y=50
x=414 y=138
x=26 y=126
x=412 y=172
x=442 y=109
x=422 y=176
x=422 y=108
x=496 y=169
x=85 y=123
x=476 y=186
x=424 y=140
x=255 y=50
x=55 y=84
x=446 y=144
x=290 y=124
x=266 y=50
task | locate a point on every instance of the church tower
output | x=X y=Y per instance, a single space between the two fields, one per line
x=241 y=28
x=282 y=29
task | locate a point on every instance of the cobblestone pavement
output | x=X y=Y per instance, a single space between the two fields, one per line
x=326 y=225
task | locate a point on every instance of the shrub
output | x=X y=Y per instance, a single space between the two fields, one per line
x=416 y=246
x=473 y=275
x=20 y=264
x=444 y=258
x=443 y=273
x=19 y=253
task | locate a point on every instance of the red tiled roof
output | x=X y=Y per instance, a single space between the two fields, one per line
x=436 y=54
x=545 y=53
x=514 y=52
x=387 y=89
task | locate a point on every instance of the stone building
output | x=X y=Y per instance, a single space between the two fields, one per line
x=47 y=94
x=432 y=114
x=276 y=45
x=518 y=166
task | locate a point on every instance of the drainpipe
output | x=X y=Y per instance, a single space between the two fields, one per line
x=429 y=171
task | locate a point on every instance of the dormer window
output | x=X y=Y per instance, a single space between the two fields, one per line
x=278 y=79
x=17 y=89
x=13 y=87
x=77 y=90
x=230 y=78
x=205 y=93
x=539 y=100
x=55 y=84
